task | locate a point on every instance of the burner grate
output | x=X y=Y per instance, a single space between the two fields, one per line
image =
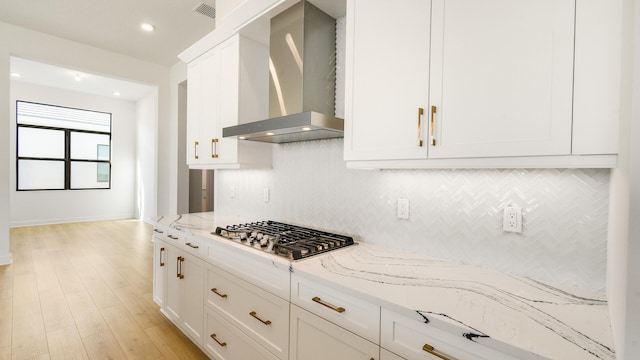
x=294 y=242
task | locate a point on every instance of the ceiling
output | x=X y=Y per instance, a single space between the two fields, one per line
x=114 y=25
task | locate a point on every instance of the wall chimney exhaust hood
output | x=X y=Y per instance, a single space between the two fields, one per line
x=302 y=64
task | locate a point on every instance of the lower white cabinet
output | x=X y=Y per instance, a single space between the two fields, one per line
x=412 y=338
x=261 y=315
x=223 y=341
x=185 y=292
x=314 y=338
x=159 y=271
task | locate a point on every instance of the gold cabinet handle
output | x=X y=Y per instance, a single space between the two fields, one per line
x=267 y=322
x=161 y=252
x=223 y=344
x=180 y=260
x=433 y=125
x=214 y=148
x=215 y=291
x=172 y=237
x=428 y=348
x=420 y=113
x=192 y=246
x=195 y=150
x=332 y=307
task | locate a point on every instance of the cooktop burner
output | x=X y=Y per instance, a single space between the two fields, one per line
x=291 y=241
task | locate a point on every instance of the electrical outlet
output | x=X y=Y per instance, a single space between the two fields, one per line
x=265 y=194
x=403 y=208
x=512 y=221
x=232 y=192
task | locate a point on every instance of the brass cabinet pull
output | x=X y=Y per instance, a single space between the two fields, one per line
x=433 y=125
x=195 y=150
x=180 y=260
x=428 y=348
x=192 y=246
x=332 y=307
x=267 y=322
x=223 y=344
x=215 y=291
x=172 y=237
x=420 y=113
x=158 y=231
x=161 y=252
x=214 y=148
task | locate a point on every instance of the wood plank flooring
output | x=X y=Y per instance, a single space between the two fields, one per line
x=84 y=291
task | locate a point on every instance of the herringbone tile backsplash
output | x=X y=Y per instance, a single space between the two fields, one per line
x=454 y=214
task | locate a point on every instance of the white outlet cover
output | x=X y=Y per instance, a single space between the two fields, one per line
x=265 y=194
x=403 y=208
x=512 y=219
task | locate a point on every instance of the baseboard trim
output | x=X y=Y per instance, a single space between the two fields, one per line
x=15 y=224
x=6 y=260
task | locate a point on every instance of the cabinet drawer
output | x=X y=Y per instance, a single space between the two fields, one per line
x=263 y=316
x=354 y=314
x=413 y=339
x=225 y=342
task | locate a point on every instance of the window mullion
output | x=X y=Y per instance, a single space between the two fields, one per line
x=67 y=159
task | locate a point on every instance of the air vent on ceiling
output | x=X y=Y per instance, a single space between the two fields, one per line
x=206 y=10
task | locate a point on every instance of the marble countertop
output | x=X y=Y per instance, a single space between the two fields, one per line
x=552 y=321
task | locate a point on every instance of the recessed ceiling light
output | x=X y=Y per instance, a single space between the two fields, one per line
x=116 y=93
x=147 y=27
x=78 y=77
x=15 y=75
x=270 y=134
x=242 y=137
x=306 y=128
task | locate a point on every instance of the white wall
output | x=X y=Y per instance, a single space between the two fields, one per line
x=179 y=171
x=146 y=162
x=32 y=45
x=45 y=207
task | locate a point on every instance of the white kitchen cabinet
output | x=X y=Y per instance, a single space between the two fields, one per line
x=314 y=338
x=185 y=292
x=387 y=79
x=159 y=271
x=227 y=86
x=412 y=338
x=463 y=83
x=261 y=315
x=346 y=310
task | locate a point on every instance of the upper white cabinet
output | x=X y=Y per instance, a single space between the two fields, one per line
x=463 y=83
x=227 y=86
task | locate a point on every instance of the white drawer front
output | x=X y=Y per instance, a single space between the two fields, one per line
x=356 y=315
x=225 y=342
x=263 y=316
x=413 y=339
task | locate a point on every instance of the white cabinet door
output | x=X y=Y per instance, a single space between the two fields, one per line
x=185 y=292
x=159 y=271
x=227 y=85
x=387 y=81
x=501 y=77
x=192 y=271
x=313 y=338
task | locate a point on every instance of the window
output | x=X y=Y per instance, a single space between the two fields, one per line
x=60 y=148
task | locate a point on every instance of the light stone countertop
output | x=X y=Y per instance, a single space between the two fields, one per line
x=514 y=312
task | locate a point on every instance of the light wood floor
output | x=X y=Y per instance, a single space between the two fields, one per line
x=84 y=291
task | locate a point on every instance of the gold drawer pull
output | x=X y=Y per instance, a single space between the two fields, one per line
x=215 y=291
x=161 y=252
x=214 y=148
x=428 y=348
x=192 y=246
x=172 y=237
x=195 y=150
x=420 y=113
x=334 y=308
x=223 y=344
x=158 y=231
x=179 y=267
x=433 y=125
x=253 y=313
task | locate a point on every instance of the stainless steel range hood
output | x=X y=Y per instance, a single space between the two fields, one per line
x=302 y=66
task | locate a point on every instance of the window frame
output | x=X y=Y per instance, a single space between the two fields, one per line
x=67 y=148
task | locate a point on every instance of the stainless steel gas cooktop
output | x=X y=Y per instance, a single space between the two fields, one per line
x=291 y=241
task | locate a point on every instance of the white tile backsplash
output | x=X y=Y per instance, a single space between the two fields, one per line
x=454 y=214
